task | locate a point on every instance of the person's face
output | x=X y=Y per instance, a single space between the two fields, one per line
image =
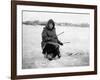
x=50 y=25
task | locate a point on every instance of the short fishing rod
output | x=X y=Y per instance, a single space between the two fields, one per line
x=60 y=33
x=66 y=42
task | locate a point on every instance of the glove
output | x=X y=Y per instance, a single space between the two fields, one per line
x=61 y=43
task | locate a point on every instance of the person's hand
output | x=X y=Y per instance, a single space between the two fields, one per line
x=61 y=43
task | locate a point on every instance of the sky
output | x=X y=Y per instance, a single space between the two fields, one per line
x=56 y=16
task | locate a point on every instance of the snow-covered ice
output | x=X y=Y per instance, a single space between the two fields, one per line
x=75 y=53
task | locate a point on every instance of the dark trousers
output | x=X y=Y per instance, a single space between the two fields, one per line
x=51 y=49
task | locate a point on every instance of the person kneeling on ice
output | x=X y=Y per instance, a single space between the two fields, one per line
x=50 y=42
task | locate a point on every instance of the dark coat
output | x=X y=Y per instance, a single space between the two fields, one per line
x=49 y=35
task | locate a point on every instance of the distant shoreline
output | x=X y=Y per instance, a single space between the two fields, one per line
x=36 y=22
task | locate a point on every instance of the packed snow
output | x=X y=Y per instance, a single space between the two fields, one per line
x=75 y=53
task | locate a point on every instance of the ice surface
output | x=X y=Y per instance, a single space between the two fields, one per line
x=75 y=53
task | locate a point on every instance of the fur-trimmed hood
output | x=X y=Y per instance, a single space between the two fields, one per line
x=50 y=21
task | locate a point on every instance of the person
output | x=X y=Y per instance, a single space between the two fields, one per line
x=50 y=40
